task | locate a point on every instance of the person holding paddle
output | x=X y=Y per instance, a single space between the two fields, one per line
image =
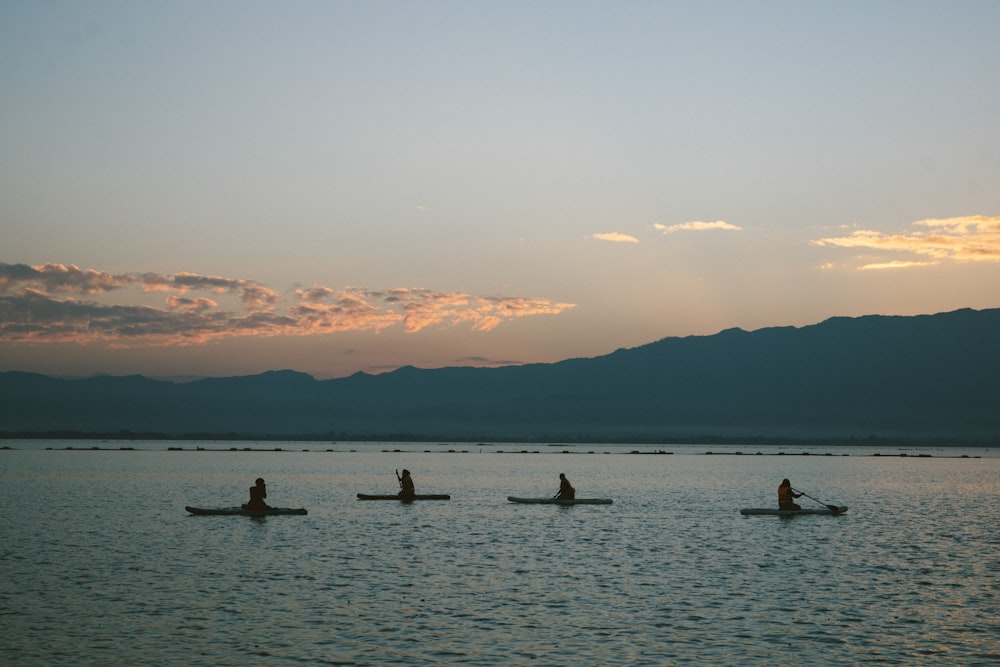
x=786 y=496
x=406 y=490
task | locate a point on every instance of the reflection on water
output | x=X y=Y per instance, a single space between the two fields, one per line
x=99 y=564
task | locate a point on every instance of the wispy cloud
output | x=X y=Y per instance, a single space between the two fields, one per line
x=697 y=226
x=894 y=264
x=616 y=237
x=962 y=239
x=57 y=303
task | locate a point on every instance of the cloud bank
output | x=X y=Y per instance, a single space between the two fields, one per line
x=57 y=303
x=963 y=239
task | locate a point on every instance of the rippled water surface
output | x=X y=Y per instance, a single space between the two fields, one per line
x=100 y=565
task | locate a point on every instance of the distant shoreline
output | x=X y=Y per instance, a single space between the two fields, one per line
x=745 y=440
x=398 y=450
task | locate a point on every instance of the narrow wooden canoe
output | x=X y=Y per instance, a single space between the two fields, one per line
x=239 y=511
x=768 y=511
x=554 y=501
x=433 y=496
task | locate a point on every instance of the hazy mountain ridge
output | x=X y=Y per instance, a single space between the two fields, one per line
x=928 y=376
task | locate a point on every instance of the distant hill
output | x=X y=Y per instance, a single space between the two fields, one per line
x=923 y=377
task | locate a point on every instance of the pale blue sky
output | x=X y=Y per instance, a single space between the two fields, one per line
x=485 y=150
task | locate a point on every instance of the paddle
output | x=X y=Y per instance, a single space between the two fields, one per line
x=832 y=508
x=399 y=479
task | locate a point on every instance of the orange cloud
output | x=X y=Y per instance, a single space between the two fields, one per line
x=37 y=305
x=417 y=308
x=963 y=239
x=252 y=294
x=348 y=310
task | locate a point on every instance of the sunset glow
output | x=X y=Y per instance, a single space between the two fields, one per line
x=203 y=189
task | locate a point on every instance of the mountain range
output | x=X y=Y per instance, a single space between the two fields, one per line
x=917 y=377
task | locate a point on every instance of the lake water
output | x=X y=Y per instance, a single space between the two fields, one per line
x=100 y=564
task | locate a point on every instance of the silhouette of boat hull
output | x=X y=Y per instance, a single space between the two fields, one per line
x=432 y=496
x=556 y=501
x=767 y=511
x=239 y=511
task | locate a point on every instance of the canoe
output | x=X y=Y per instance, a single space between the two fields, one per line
x=239 y=511
x=432 y=496
x=555 y=501
x=756 y=511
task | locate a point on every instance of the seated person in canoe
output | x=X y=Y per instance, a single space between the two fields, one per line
x=566 y=490
x=786 y=496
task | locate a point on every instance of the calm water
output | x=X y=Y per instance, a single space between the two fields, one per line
x=100 y=565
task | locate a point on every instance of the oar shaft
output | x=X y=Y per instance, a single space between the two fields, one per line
x=827 y=505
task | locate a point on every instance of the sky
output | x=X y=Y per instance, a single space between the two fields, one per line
x=212 y=188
